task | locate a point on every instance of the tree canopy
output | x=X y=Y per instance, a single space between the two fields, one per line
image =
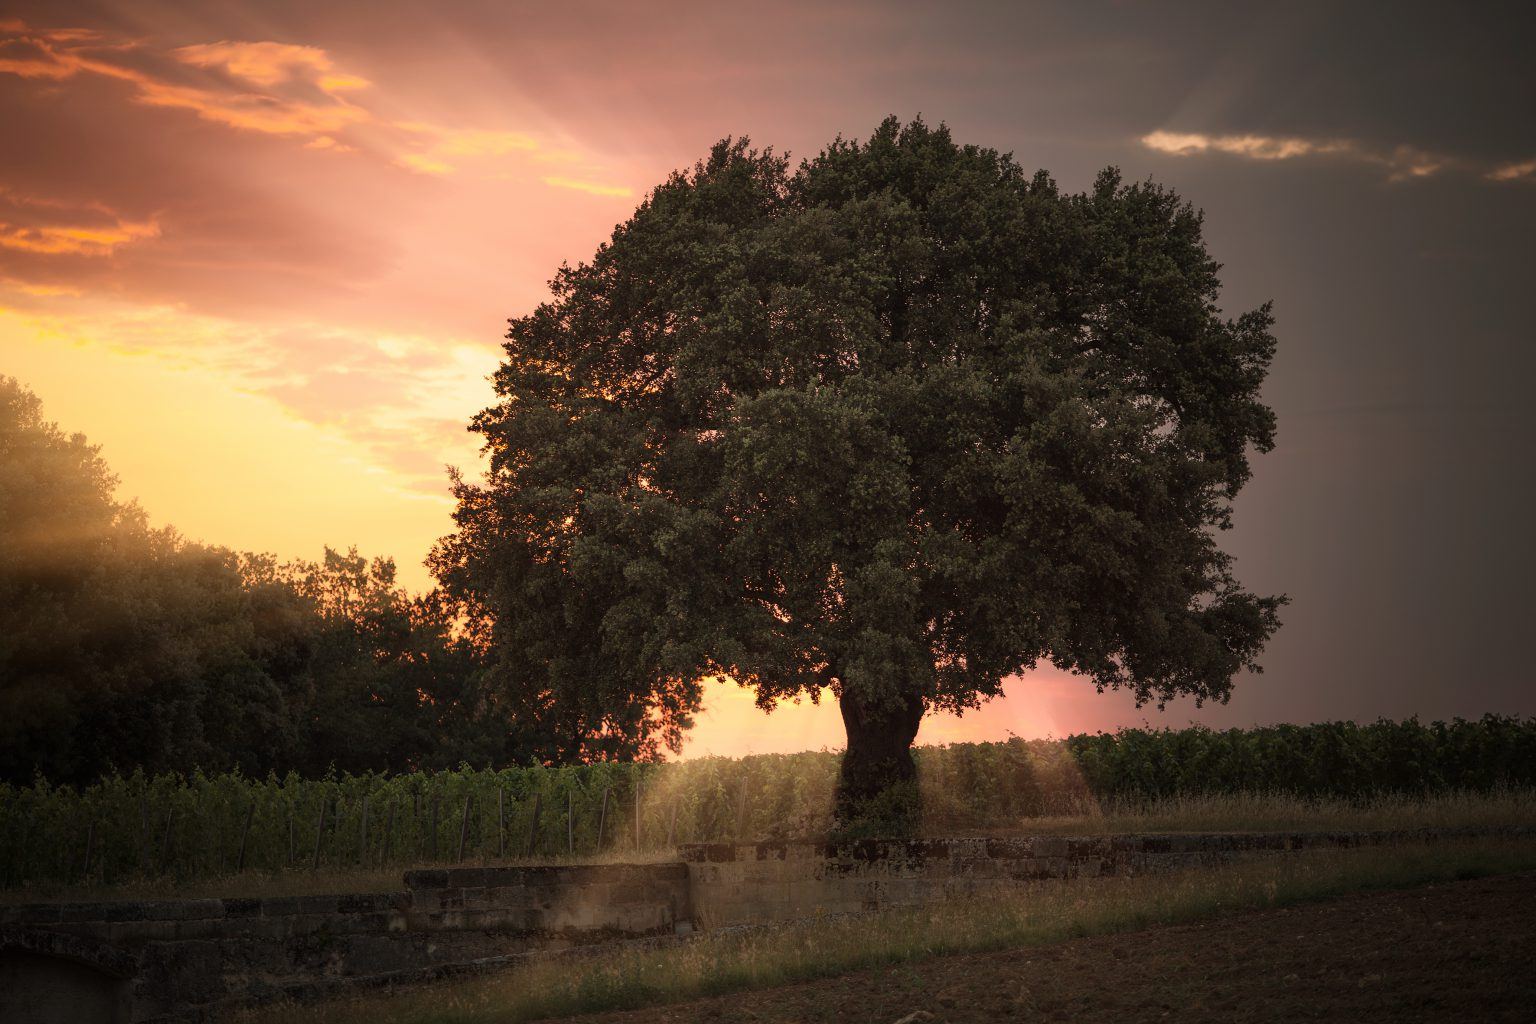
x=126 y=646
x=902 y=422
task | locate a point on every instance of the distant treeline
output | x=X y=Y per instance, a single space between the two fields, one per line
x=125 y=646
x=207 y=825
x=1333 y=759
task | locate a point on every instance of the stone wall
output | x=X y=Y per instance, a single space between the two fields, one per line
x=758 y=882
x=188 y=959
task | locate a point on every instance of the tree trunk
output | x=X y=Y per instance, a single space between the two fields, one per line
x=877 y=787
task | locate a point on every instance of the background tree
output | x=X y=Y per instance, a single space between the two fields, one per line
x=901 y=423
x=124 y=646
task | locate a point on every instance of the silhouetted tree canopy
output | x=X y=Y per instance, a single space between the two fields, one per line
x=126 y=646
x=902 y=422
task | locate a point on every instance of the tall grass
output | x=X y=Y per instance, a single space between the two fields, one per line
x=1035 y=915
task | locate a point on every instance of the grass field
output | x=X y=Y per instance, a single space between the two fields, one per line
x=1237 y=813
x=1040 y=914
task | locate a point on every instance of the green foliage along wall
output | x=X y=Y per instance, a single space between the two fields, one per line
x=195 y=826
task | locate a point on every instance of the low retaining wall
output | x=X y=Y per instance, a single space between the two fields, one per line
x=735 y=884
x=188 y=959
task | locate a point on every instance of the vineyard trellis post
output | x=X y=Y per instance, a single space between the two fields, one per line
x=463 y=829
x=432 y=836
x=245 y=836
x=389 y=836
x=90 y=840
x=501 y=821
x=319 y=832
x=533 y=827
x=141 y=848
x=637 y=813
x=23 y=853
x=362 y=834
x=570 y=822
x=602 y=820
x=165 y=843
x=741 y=810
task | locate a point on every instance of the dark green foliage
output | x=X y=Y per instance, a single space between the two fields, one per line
x=901 y=423
x=1334 y=759
x=964 y=788
x=123 y=646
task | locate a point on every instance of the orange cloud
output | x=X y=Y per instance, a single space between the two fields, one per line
x=591 y=187
x=273 y=88
x=296 y=87
x=53 y=229
x=55 y=239
x=1402 y=161
x=269 y=64
x=29 y=58
x=42 y=291
x=1254 y=147
x=1522 y=171
x=439 y=149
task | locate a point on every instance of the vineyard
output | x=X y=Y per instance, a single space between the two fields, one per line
x=206 y=826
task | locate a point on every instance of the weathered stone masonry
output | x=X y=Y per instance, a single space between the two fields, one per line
x=189 y=959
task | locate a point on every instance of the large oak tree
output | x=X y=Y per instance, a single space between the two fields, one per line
x=897 y=424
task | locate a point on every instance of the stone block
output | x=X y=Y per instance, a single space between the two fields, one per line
x=318 y=905
x=570 y=916
x=466 y=878
x=1010 y=849
x=429 y=879
x=32 y=914
x=132 y=933
x=372 y=903
x=644 y=919
x=634 y=892
x=242 y=908
x=1049 y=846
x=507 y=896
x=542 y=896
x=199 y=929
x=426 y=900
x=497 y=920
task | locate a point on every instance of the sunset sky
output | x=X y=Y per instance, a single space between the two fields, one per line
x=263 y=253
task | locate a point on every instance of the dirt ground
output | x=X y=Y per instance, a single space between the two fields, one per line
x=1461 y=952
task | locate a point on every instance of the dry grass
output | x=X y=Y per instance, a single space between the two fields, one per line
x=1038 y=915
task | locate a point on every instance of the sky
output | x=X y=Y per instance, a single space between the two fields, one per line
x=263 y=253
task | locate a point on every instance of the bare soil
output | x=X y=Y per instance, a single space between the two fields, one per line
x=1460 y=952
